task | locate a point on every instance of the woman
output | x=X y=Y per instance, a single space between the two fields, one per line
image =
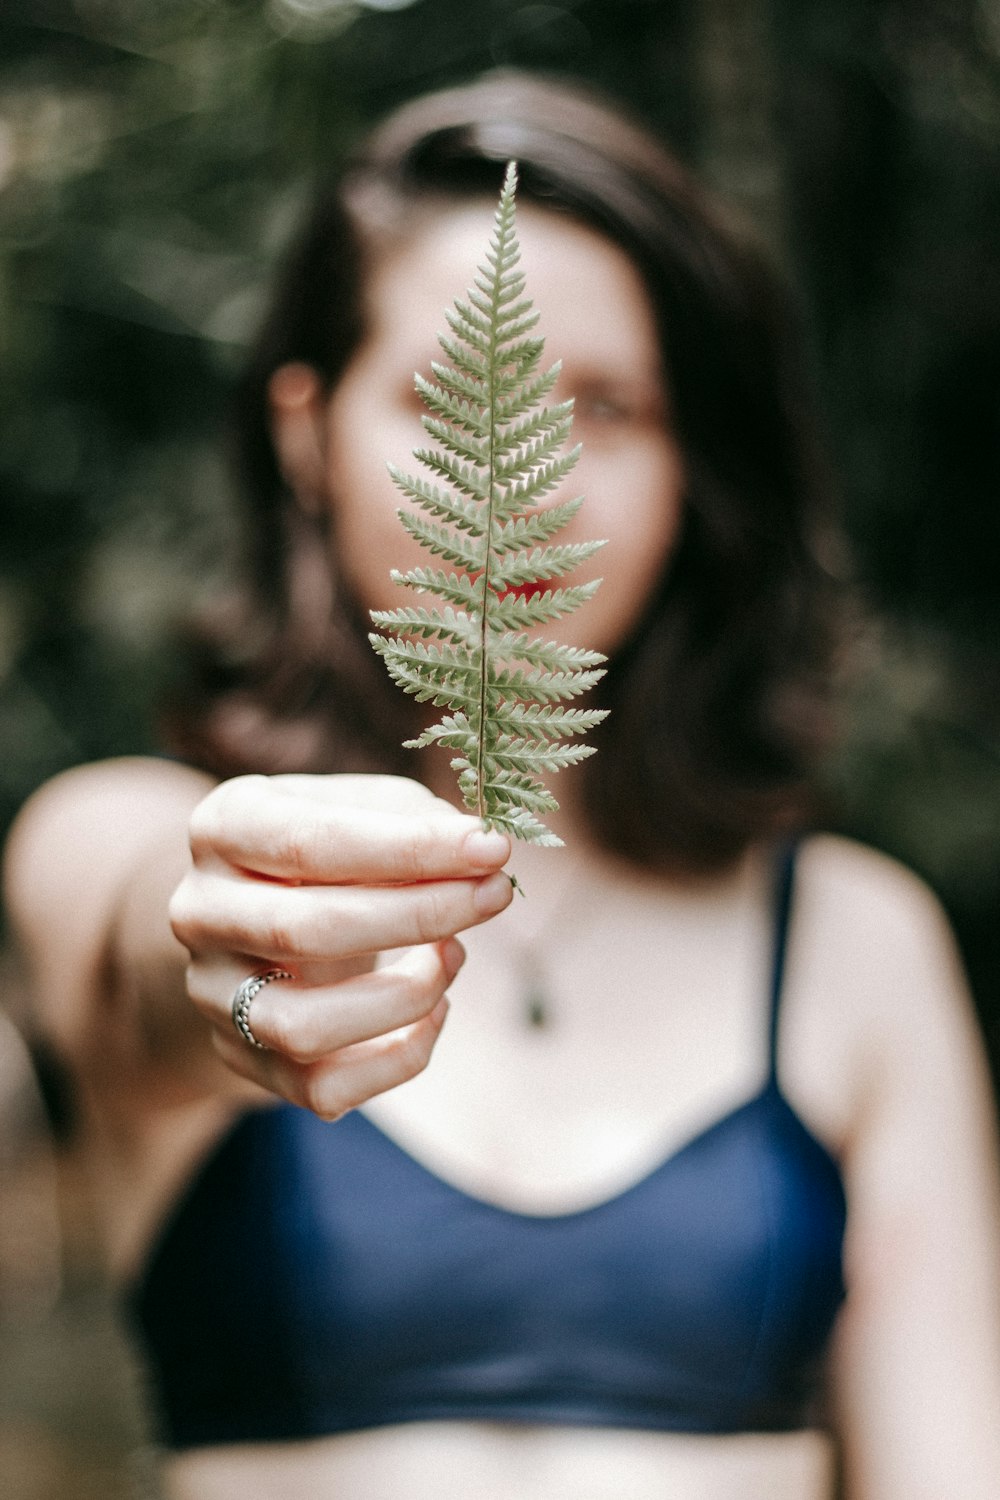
x=599 y=1246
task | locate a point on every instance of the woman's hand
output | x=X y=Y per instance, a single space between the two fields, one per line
x=317 y=875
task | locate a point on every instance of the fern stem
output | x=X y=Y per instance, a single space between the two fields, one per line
x=497 y=454
x=504 y=224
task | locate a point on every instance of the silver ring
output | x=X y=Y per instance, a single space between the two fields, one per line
x=244 y=998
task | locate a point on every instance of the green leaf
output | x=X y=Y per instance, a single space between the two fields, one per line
x=550 y=654
x=454 y=546
x=500 y=452
x=464 y=513
x=546 y=720
x=524 y=531
x=519 y=568
x=512 y=612
x=457 y=588
x=449 y=626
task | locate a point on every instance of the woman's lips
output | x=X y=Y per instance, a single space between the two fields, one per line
x=519 y=590
x=528 y=590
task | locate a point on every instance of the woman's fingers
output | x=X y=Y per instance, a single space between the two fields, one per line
x=341 y=830
x=306 y=1023
x=346 y=1078
x=317 y=875
x=286 y=925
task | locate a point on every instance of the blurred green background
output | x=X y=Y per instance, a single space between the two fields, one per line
x=153 y=154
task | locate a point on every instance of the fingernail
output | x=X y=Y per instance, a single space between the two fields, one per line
x=453 y=957
x=487 y=847
x=493 y=894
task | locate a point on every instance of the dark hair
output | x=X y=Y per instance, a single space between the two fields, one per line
x=718 y=698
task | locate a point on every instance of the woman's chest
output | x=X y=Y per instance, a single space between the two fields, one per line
x=569 y=1067
x=697 y=1300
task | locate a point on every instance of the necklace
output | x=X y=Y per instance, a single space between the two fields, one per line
x=535 y=1007
x=535 y=1004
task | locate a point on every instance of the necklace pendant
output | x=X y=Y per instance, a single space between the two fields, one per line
x=536 y=1009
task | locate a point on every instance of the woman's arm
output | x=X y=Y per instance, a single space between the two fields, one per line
x=918 y=1356
x=312 y=874
x=89 y=868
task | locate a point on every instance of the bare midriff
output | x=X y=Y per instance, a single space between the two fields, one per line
x=483 y=1461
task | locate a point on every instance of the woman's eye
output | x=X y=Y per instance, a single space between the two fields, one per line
x=601 y=409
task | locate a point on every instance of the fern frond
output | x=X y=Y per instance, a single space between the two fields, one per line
x=459 y=384
x=557 y=419
x=464 y=513
x=514 y=789
x=499 y=452
x=466 y=478
x=533 y=453
x=526 y=531
x=457 y=588
x=517 y=568
x=459 y=439
x=449 y=626
x=527 y=755
x=514 y=612
x=540 y=686
x=454 y=546
x=547 y=721
x=471 y=362
x=523 y=492
x=552 y=655
x=455 y=406
x=432 y=661
x=511 y=404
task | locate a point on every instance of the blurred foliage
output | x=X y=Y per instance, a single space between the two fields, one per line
x=152 y=156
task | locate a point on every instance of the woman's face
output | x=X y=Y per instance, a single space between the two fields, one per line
x=595 y=318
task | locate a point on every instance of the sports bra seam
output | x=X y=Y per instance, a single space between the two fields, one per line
x=751 y=1367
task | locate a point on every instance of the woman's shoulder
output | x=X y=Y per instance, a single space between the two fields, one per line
x=877 y=1003
x=866 y=894
x=877 y=942
x=71 y=850
x=99 y=792
x=78 y=832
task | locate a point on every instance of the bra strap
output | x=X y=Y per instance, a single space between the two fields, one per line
x=784 y=886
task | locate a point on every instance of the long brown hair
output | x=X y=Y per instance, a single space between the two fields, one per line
x=718 y=698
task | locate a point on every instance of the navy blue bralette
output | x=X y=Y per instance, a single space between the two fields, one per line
x=317 y=1279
